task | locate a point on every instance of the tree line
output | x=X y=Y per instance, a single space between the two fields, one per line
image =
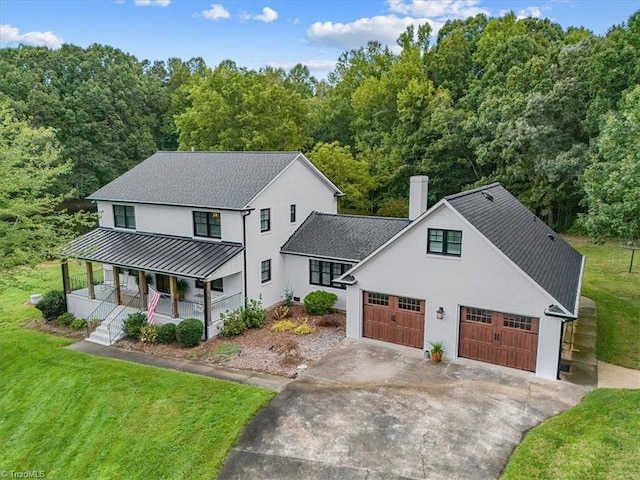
x=552 y=114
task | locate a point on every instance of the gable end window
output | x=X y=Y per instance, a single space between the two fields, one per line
x=124 y=216
x=265 y=271
x=265 y=219
x=444 y=242
x=292 y=214
x=207 y=224
x=322 y=273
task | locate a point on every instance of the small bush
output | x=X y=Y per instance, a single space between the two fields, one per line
x=228 y=348
x=283 y=326
x=319 y=302
x=232 y=323
x=328 y=321
x=133 y=324
x=280 y=312
x=288 y=295
x=189 y=332
x=79 y=324
x=149 y=334
x=167 y=333
x=254 y=315
x=288 y=348
x=52 y=304
x=66 y=319
x=304 y=328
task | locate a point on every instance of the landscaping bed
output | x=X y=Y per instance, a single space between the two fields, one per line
x=260 y=349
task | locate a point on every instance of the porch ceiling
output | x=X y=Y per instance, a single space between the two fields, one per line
x=177 y=256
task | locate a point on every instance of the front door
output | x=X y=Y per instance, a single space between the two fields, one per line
x=163 y=283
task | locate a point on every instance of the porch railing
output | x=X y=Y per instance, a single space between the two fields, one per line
x=103 y=310
x=79 y=281
x=116 y=325
x=225 y=304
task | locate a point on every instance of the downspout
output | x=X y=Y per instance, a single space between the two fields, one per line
x=244 y=253
x=565 y=319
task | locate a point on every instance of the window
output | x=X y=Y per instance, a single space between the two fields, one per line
x=478 y=315
x=517 y=321
x=265 y=269
x=216 y=285
x=124 y=216
x=444 y=242
x=207 y=224
x=405 y=303
x=292 y=214
x=378 y=299
x=265 y=219
x=322 y=273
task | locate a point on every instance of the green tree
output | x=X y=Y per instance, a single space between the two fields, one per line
x=31 y=227
x=612 y=180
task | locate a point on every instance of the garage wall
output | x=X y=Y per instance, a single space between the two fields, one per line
x=481 y=277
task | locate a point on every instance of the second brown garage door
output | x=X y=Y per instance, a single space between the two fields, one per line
x=393 y=319
x=500 y=338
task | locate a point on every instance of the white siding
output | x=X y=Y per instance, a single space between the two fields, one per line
x=296 y=270
x=297 y=185
x=481 y=277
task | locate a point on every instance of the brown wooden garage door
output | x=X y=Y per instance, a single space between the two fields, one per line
x=393 y=319
x=500 y=338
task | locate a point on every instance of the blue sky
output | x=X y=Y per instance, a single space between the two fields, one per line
x=258 y=33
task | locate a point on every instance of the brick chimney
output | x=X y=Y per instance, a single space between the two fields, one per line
x=418 y=190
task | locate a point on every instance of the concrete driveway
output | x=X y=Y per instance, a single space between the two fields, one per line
x=374 y=412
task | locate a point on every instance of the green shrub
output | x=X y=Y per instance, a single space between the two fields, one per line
x=79 y=324
x=304 y=328
x=52 y=304
x=66 y=319
x=254 y=315
x=283 y=326
x=319 y=302
x=189 y=332
x=288 y=295
x=149 y=334
x=232 y=323
x=133 y=324
x=167 y=333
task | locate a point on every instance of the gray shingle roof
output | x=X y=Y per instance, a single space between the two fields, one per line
x=525 y=239
x=202 y=179
x=182 y=257
x=343 y=237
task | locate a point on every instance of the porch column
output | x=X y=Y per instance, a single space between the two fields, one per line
x=66 y=284
x=92 y=291
x=116 y=284
x=144 y=290
x=173 y=283
x=207 y=309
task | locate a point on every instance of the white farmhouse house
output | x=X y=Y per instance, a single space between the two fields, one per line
x=477 y=270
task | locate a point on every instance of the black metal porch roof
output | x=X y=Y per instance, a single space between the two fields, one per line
x=184 y=257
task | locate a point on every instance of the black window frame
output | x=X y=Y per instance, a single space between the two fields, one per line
x=128 y=214
x=447 y=242
x=292 y=213
x=265 y=220
x=217 y=285
x=214 y=229
x=326 y=271
x=267 y=270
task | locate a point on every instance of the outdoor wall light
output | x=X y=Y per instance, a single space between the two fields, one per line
x=440 y=313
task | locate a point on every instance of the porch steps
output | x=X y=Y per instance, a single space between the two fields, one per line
x=101 y=334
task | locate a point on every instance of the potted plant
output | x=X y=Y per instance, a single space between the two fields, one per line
x=437 y=349
x=182 y=287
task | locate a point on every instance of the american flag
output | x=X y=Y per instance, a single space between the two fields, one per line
x=152 y=307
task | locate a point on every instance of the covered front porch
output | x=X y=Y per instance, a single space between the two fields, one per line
x=194 y=279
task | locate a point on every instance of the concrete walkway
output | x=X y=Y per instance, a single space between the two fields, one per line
x=613 y=376
x=270 y=382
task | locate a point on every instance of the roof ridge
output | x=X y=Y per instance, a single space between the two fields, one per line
x=473 y=190
x=274 y=152
x=377 y=217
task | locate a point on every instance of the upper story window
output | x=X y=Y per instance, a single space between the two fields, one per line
x=444 y=242
x=265 y=219
x=292 y=214
x=207 y=224
x=322 y=273
x=124 y=216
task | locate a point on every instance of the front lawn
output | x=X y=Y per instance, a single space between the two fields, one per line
x=71 y=415
x=617 y=295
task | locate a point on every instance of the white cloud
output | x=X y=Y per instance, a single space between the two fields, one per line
x=9 y=34
x=151 y=3
x=385 y=29
x=440 y=8
x=313 y=65
x=525 y=12
x=268 y=15
x=216 y=12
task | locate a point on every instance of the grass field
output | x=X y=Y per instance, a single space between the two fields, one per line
x=71 y=415
x=617 y=295
x=600 y=438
